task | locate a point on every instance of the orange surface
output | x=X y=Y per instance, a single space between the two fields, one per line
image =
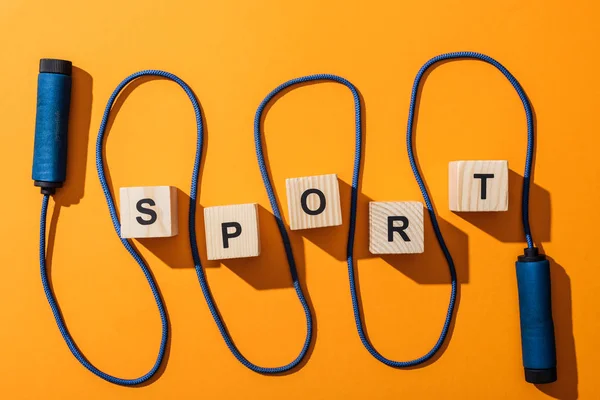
x=232 y=54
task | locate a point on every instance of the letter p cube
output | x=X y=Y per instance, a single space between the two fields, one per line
x=232 y=231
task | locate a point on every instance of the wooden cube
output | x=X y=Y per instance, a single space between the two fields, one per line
x=314 y=201
x=148 y=211
x=232 y=231
x=396 y=227
x=478 y=185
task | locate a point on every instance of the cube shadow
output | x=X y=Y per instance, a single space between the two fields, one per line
x=429 y=267
x=269 y=270
x=507 y=226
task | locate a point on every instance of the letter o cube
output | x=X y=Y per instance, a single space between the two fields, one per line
x=314 y=201
x=148 y=211
x=232 y=231
x=396 y=227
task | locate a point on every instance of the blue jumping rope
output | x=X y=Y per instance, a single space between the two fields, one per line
x=49 y=173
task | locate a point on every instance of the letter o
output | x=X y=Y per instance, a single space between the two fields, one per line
x=322 y=202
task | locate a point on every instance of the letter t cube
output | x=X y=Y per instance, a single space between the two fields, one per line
x=478 y=185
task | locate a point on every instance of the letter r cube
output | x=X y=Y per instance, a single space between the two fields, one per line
x=396 y=227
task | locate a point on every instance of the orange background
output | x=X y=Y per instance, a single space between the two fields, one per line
x=232 y=54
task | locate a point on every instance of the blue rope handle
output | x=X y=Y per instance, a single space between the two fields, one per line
x=113 y=214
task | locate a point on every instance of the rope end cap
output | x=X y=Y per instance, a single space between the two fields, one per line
x=56 y=66
x=541 y=376
x=531 y=254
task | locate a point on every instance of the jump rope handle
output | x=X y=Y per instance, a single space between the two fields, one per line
x=51 y=124
x=537 y=327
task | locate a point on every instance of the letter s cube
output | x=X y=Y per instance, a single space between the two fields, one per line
x=396 y=227
x=232 y=231
x=148 y=211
